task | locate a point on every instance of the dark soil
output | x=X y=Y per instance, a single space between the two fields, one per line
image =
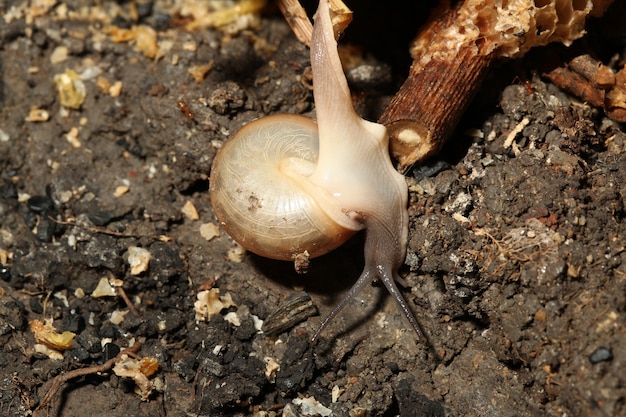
x=516 y=265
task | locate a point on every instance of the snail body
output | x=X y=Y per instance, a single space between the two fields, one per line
x=284 y=185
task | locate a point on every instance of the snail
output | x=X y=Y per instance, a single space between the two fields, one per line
x=285 y=186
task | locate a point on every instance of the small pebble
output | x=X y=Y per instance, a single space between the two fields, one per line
x=5 y=273
x=45 y=230
x=80 y=355
x=430 y=169
x=75 y=323
x=601 y=354
x=101 y=218
x=39 y=203
x=9 y=191
x=59 y=54
x=89 y=341
x=110 y=351
x=35 y=305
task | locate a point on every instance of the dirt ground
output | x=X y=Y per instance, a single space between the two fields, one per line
x=523 y=304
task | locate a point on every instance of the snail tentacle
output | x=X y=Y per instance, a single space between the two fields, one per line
x=365 y=278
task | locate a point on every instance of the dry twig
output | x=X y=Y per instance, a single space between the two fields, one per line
x=128 y=302
x=73 y=223
x=594 y=83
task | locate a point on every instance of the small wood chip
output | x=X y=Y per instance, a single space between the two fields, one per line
x=209 y=231
x=189 y=210
x=116 y=89
x=138 y=259
x=294 y=310
x=104 y=289
x=199 y=72
x=37 y=115
x=121 y=190
x=59 y=54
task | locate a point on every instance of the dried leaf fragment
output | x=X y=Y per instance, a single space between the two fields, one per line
x=148 y=366
x=199 y=72
x=236 y=253
x=144 y=37
x=53 y=354
x=139 y=371
x=47 y=335
x=310 y=406
x=210 y=303
x=271 y=368
x=72 y=90
x=237 y=14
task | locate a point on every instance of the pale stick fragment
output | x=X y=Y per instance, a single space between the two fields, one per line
x=297 y=19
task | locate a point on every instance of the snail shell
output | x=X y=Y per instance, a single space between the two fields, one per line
x=260 y=199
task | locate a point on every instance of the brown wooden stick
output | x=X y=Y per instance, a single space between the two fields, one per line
x=428 y=106
x=451 y=56
x=63 y=378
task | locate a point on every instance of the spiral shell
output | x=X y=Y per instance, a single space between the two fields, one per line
x=258 y=194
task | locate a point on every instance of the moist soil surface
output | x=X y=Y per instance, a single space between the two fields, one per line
x=516 y=264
